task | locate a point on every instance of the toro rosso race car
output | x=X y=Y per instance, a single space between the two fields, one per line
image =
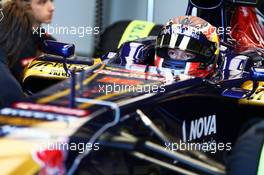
x=135 y=111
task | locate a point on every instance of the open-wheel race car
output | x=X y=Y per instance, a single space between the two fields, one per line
x=116 y=117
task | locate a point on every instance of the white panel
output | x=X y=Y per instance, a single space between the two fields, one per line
x=184 y=43
x=173 y=40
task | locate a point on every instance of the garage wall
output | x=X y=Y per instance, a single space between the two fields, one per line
x=137 y=9
x=82 y=13
x=125 y=9
x=166 y=9
x=76 y=14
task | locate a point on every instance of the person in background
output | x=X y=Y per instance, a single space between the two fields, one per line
x=15 y=29
x=42 y=11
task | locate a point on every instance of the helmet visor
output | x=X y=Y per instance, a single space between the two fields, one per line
x=175 y=54
x=200 y=47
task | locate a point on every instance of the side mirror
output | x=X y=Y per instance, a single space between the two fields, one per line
x=61 y=49
x=257 y=74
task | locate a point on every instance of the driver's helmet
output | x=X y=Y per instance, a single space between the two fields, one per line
x=190 y=44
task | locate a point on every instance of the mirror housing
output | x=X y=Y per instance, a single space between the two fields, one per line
x=257 y=74
x=60 y=49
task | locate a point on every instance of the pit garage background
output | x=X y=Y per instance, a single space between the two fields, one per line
x=85 y=12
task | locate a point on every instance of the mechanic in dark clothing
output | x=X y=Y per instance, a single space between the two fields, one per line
x=32 y=50
x=15 y=28
x=10 y=89
x=247 y=155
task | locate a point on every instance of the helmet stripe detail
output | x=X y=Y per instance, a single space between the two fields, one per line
x=184 y=43
x=161 y=62
x=161 y=42
x=187 y=68
x=166 y=40
x=173 y=41
x=158 y=61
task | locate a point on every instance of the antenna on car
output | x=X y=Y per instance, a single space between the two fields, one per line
x=64 y=51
